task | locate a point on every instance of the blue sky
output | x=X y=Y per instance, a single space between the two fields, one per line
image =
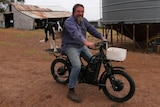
x=92 y=7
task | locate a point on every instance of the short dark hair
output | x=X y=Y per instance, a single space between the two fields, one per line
x=75 y=6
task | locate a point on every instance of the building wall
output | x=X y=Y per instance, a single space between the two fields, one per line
x=22 y=21
x=2 y=23
x=22 y=17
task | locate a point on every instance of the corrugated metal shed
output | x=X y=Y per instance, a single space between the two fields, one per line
x=40 y=13
x=43 y=15
x=137 y=19
x=54 y=8
x=29 y=17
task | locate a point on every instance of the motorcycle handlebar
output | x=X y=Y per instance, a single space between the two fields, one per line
x=102 y=44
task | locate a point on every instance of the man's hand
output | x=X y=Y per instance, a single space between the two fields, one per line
x=89 y=44
x=104 y=39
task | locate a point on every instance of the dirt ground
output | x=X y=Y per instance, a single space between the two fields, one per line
x=26 y=81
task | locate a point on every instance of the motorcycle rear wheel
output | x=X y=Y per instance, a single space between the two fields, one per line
x=60 y=71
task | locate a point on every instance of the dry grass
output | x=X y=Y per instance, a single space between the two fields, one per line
x=26 y=81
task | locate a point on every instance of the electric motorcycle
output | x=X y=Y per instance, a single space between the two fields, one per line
x=116 y=84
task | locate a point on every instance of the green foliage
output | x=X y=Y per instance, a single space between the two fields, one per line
x=4 y=1
x=1 y=10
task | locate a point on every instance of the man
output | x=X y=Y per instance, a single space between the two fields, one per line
x=74 y=42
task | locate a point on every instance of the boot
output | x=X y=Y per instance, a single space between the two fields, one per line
x=73 y=96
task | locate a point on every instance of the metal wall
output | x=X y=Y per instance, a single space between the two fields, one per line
x=130 y=11
x=22 y=21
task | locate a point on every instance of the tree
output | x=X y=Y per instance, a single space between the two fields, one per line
x=3 y=2
x=7 y=1
x=2 y=6
x=21 y=1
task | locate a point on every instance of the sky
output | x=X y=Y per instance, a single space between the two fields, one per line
x=92 y=7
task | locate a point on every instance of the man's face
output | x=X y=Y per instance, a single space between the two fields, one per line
x=78 y=14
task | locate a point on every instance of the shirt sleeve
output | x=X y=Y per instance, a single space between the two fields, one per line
x=93 y=31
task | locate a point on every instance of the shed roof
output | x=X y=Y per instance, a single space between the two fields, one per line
x=54 y=8
x=40 y=13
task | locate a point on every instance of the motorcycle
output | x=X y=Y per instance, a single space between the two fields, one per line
x=116 y=84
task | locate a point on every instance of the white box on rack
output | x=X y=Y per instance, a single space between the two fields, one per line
x=116 y=54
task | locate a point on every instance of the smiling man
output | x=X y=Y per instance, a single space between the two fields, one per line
x=74 y=43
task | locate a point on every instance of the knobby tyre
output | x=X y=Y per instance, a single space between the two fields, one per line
x=125 y=86
x=60 y=71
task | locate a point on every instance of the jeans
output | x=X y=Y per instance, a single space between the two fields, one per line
x=74 y=57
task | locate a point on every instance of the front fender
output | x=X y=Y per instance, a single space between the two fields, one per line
x=106 y=74
x=118 y=68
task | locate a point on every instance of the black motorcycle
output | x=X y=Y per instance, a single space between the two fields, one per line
x=116 y=84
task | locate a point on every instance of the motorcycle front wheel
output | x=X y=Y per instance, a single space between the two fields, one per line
x=119 y=86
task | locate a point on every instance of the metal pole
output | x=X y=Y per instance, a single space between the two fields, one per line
x=122 y=33
x=133 y=37
x=147 y=38
x=112 y=35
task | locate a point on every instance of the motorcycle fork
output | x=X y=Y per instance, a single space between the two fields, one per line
x=109 y=70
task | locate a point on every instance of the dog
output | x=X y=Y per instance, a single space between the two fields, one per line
x=50 y=29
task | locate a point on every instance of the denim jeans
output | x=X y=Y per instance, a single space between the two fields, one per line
x=74 y=57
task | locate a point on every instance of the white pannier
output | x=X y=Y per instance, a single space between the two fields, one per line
x=116 y=54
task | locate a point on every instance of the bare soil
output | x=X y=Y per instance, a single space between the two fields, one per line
x=26 y=81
